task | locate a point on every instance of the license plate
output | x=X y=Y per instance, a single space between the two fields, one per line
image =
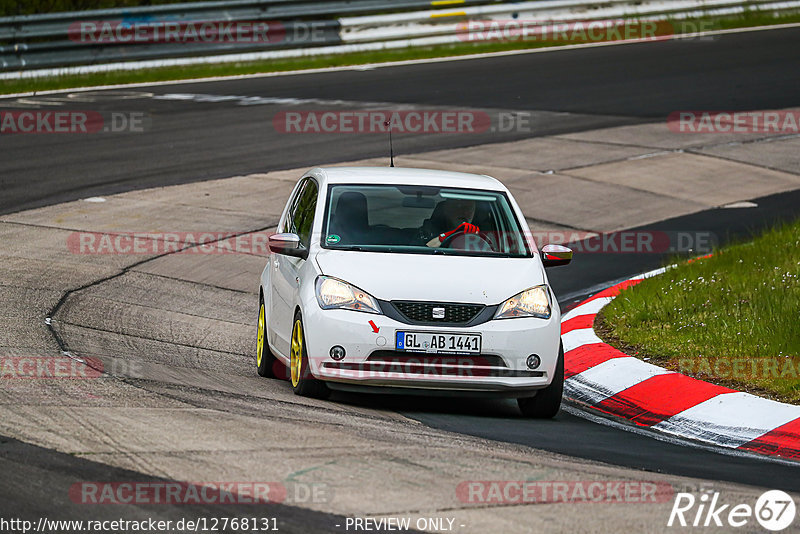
x=438 y=342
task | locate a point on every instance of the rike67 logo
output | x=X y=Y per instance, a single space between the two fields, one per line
x=774 y=510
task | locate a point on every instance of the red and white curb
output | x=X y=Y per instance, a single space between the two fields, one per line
x=605 y=379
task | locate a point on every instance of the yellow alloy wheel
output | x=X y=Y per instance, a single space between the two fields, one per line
x=262 y=323
x=297 y=352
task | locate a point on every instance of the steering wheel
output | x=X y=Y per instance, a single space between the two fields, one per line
x=448 y=241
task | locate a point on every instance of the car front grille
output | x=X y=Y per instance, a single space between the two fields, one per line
x=423 y=312
x=468 y=360
x=388 y=364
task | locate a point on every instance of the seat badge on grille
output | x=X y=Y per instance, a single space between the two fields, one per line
x=438 y=313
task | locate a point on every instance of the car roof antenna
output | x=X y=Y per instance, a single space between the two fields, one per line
x=391 y=149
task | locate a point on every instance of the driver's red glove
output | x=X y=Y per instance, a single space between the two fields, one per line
x=465 y=227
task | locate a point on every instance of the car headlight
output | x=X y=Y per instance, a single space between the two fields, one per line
x=333 y=293
x=533 y=302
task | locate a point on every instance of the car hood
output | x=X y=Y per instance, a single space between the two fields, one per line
x=433 y=277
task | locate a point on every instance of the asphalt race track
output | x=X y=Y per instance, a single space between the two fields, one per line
x=567 y=91
x=195 y=138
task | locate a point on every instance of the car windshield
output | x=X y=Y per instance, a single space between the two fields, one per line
x=421 y=220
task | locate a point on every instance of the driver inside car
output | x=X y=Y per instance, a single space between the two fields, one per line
x=451 y=216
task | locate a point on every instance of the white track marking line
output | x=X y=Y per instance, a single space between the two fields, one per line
x=578 y=338
x=590 y=308
x=605 y=380
x=650 y=274
x=730 y=419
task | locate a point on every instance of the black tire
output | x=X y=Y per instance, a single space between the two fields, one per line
x=266 y=362
x=303 y=382
x=547 y=402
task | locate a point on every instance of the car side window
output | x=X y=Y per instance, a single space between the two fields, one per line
x=302 y=215
x=288 y=223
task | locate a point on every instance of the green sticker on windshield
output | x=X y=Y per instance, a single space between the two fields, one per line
x=333 y=239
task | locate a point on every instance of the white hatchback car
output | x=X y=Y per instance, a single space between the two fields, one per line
x=410 y=280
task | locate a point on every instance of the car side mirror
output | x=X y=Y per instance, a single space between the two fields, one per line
x=288 y=245
x=555 y=255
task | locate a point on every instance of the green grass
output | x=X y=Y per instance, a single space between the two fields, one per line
x=231 y=69
x=732 y=319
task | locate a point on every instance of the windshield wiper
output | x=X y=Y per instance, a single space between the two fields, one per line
x=350 y=247
x=369 y=248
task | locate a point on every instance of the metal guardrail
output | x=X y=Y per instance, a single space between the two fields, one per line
x=55 y=24
x=36 y=45
x=420 y=24
x=37 y=41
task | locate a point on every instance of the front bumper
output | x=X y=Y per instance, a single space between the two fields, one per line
x=371 y=359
